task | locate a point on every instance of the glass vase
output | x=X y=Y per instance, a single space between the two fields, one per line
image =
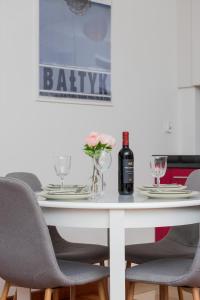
x=95 y=181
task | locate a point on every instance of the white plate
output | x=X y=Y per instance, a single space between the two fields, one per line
x=64 y=197
x=66 y=192
x=169 y=195
x=57 y=187
x=164 y=187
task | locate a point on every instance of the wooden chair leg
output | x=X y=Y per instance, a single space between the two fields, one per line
x=130 y=293
x=72 y=293
x=5 y=291
x=48 y=294
x=195 y=293
x=101 y=290
x=180 y=293
x=163 y=292
x=128 y=264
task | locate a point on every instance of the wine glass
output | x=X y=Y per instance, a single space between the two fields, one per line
x=102 y=161
x=158 y=165
x=62 y=167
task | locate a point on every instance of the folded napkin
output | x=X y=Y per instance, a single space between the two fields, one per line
x=168 y=192
x=58 y=186
x=66 y=189
x=163 y=186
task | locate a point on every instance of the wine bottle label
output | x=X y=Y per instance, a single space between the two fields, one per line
x=127 y=171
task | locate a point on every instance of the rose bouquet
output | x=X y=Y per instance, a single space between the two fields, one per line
x=96 y=142
x=97 y=146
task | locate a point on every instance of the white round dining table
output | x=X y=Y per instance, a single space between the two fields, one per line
x=118 y=213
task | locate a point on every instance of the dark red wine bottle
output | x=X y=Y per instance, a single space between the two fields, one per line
x=125 y=167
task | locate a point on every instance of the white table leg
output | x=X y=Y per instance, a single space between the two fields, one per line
x=23 y=294
x=117 y=255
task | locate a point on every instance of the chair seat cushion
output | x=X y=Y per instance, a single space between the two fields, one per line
x=80 y=273
x=140 y=253
x=161 y=271
x=83 y=252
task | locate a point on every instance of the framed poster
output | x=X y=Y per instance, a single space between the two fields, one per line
x=75 y=51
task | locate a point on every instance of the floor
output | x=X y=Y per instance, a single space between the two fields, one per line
x=89 y=292
x=146 y=292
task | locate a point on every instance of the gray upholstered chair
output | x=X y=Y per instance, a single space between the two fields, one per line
x=64 y=249
x=193 y=180
x=180 y=240
x=179 y=272
x=29 y=178
x=27 y=257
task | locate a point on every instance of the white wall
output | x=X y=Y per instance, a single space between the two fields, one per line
x=188 y=76
x=184 y=38
x=188 y=121
x=144 y=89
x=188 y=42
x=144 y=92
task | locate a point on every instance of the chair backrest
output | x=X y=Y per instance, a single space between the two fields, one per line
x=193 y=181
x=27 y=257
x=29 y=178
x=187 y=235
x=58 y=242
x=33 y=181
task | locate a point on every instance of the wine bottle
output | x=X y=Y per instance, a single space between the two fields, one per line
x=125 y=167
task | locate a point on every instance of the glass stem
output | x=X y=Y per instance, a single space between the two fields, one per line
x=62 y=182
x=158 y=182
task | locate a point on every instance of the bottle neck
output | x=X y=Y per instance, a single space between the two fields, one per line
x=125 y=140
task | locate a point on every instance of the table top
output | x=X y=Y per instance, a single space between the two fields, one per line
x=116 y=201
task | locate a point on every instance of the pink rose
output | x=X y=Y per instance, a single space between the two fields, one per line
x=107 y=139
x=92 y=139
x=112 y=141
